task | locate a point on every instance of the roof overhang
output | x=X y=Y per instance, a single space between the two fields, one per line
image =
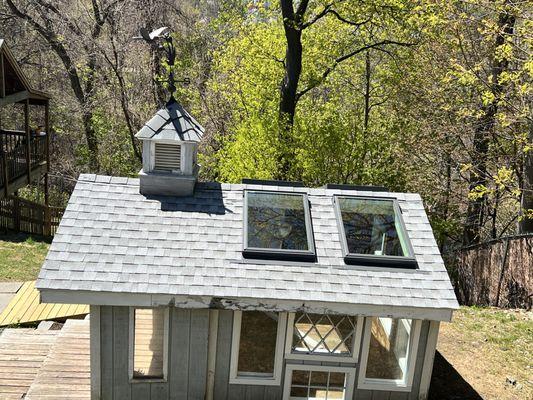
x=35 y=97
x=192 y=301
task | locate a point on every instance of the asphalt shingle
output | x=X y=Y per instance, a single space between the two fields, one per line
x=113 y=239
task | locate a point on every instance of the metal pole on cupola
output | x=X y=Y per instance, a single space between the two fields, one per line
x=163 y=38
x=170 y=138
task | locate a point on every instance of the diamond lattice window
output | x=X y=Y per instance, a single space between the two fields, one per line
x=323 y=334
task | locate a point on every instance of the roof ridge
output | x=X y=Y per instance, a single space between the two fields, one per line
x=107 y=179
x=212 y=185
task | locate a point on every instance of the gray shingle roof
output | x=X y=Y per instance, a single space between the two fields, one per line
x=172 y=122
x=113 y=239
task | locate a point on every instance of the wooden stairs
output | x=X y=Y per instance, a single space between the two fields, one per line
x=38 y=364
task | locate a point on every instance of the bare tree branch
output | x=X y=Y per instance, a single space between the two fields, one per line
x=347 y=56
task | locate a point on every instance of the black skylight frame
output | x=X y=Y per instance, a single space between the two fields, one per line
x=280 y=254
x=374 y=260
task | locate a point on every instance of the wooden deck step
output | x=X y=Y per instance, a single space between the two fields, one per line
x=22 y=353
x=25 y=307
x=65 y=374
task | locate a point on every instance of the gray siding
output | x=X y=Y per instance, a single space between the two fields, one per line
x=187 y=358
x=187 y=362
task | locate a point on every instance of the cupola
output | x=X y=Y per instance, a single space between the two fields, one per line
x=170 y=147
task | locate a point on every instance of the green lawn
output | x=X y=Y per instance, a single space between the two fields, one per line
x=21 y=257
x=492 y=349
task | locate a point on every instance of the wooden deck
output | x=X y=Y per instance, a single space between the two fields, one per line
x=65 y=374
x=22 y=353
x=25 y=308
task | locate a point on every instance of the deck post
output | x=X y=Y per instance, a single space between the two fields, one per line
x=27 y=129
x=2 y=77
x=5 y=173
x=16 y=214
x=47 y=149
x=3 y=145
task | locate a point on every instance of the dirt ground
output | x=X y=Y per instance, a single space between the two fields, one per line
x=485 y=353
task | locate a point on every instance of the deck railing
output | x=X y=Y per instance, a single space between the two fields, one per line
x=21 y=215
x=14 y=160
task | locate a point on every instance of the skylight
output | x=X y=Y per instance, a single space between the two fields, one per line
x=277 y=225
x=372 y=232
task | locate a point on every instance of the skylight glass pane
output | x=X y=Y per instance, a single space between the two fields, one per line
x=372 y=227
x=277 y=221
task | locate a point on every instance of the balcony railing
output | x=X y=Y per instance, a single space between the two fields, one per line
x=16 y=157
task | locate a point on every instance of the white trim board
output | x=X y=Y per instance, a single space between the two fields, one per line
x=63 y=296
x=274 y=380
x=403 y=385
x=95 y=351
x=356 y=340
x=350 y=380
x=131 y=346
x=429 y=357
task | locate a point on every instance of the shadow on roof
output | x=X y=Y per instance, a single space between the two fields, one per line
x=210 y=201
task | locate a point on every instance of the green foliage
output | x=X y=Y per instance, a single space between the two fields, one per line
x=115 y=155
x=329 y=138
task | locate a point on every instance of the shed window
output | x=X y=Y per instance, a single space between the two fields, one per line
x=257 y=347
x=277 y=225
x=373 y=232
x=314 y=382
x=148 y=342
x=389 y=352
x=323 y=334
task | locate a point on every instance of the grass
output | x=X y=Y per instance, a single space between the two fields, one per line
x=21 y=257
x=492 y=349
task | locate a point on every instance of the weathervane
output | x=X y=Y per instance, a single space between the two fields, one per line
x=153 y=38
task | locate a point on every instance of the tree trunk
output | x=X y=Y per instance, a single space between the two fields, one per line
x=92 y=141
x=293 y=63
x=526 y=224
x=289 y=85
x=368 y=77
x=475 y=215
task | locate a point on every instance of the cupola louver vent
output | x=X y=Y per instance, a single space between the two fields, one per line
x=167 y=157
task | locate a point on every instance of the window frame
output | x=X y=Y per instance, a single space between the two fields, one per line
x=251 y=378
x=350 y=380
x=131 y=346
x=374 y=260
x=356 y=344
x=396 y=385
x=280 y=254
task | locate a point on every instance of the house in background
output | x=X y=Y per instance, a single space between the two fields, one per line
x=261 y=290
x=24 y=156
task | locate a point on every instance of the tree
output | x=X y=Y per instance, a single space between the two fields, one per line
x=475 y=213
x=299 y=17
x=55 y=25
